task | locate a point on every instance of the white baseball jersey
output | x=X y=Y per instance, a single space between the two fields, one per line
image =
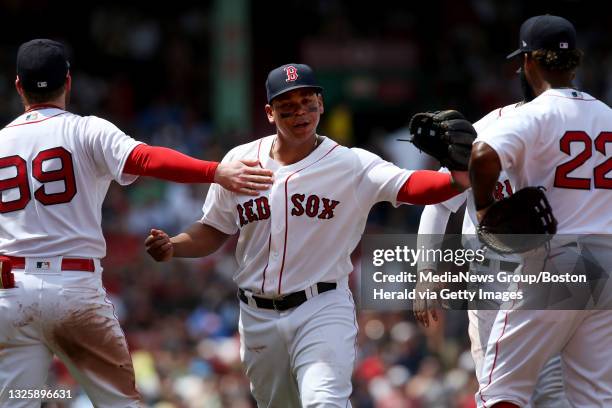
x=303 y=229
x=55 y=170
x=560 y=140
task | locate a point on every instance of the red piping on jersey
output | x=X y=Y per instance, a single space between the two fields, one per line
x=258 y=149
x=35 y=121
x=356 y=327
x=496 y=353
x=267 y=263
x=484 y=403
x=263 y=283
x=37 y=106
x=576 y=98
x=280 y=278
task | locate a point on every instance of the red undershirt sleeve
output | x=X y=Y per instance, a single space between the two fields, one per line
x=425 y=187
x=168 y=164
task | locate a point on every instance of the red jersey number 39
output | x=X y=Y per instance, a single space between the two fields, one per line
x=64 y=173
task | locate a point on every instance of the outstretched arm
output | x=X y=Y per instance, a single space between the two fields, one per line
x=197 y=241
x=167 y=164
x=432 y=187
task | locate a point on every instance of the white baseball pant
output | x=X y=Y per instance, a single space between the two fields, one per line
x=65 y=313
x=523 y=341
x=302 y=357
x=549 y=391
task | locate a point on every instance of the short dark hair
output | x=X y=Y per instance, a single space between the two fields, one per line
x=43 y=96
x=558 y=60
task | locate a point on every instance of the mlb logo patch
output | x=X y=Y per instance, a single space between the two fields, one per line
x=564 y=45
x=32 y=116
x=45 y=265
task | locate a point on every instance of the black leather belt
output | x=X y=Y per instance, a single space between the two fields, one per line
x=505 y=266
x=285 y=302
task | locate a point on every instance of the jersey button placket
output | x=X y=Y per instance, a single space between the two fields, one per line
x=278 y=229
x=277 y=232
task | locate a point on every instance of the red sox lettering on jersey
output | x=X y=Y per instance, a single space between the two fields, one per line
x=317 y=205
x=253 y=210
x=312 y=206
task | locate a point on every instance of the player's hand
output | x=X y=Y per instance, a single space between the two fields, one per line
x=461 y=180
x=423 y=307
x=159 y=246
x=243 y=177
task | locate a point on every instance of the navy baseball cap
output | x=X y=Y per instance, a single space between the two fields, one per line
x=289 y=77
x=546 y=33
x=42 y=65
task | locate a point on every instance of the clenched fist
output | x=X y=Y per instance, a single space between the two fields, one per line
x=159 y=246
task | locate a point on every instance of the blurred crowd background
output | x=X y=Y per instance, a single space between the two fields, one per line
x=190 y=75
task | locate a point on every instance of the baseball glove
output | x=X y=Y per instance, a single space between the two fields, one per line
x=519 y=223
x=445 y=135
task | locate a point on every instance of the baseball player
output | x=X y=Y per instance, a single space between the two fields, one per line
x=55 y=169
x=549 y=391
x=297 y=317
x=557 y=141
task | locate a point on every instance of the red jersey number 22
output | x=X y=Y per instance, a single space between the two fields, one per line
x=562 y=180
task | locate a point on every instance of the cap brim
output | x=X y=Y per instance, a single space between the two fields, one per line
x=515 y=53
x=320 y=88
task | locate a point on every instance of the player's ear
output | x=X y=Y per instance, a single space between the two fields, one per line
x=527 y=64
x=320 y=100
x=528 y=61
x=269 y=113
x=18 y=85
x=68 y=82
